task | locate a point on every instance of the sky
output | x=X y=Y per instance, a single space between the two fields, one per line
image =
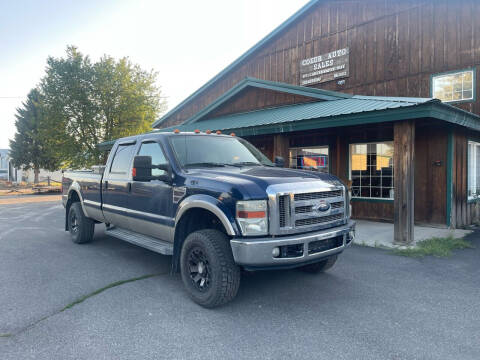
x=186 y=41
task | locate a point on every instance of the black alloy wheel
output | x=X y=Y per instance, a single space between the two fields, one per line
x=199 y=267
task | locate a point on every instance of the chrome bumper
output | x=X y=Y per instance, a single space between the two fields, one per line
x=259 y=252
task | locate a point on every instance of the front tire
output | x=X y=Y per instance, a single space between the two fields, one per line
x=81 y=228
x=320 y=266
x=208 y=270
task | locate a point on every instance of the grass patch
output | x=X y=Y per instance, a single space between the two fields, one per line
x=109 y=286
x=439 y=247
x=5 y=335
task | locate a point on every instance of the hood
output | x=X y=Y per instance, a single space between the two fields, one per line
x=256 y=179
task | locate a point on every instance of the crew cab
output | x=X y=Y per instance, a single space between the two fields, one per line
x=215 y=203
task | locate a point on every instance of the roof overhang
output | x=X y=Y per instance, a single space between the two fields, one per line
x=430 y=109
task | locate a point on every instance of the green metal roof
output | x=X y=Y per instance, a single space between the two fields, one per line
x=344 y=112
x=256 y=47
x=314 y=93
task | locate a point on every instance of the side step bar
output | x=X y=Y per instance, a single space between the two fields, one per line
x=144 y=241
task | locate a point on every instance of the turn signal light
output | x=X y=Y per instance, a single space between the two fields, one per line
x=250 y=214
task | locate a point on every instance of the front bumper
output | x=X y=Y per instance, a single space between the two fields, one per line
x=258 y=253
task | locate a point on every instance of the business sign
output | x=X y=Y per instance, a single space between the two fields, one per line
x=326 y=67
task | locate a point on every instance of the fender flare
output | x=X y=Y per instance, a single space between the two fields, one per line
x=75 y=187
x=212 y=204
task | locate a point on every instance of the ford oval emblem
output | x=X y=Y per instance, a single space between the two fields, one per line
x=323 y=206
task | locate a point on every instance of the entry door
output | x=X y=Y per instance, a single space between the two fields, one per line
x=151 y=201
x=116 y=187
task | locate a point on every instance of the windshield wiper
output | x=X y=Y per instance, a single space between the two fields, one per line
x=206 y=164
x=245 y=163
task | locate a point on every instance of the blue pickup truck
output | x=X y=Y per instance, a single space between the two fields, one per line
x=216 y=204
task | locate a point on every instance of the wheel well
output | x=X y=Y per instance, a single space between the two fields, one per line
x=193 y=220
x=72 y=198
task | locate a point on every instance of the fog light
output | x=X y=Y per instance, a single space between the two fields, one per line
x=276 y=252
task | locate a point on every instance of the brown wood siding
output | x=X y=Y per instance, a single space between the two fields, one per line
x=430 y=174
x=254 y=98
x=375 y=211
x=395 y=46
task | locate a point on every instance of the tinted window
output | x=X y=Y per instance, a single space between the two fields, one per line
x=122 y=160
x=153 y=149
x=200 y=150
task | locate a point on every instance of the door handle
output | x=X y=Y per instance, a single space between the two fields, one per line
x=106 y=185
x=129 y=187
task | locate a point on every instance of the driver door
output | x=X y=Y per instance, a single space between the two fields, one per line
x=151 y=201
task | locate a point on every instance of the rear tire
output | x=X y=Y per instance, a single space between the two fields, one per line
x=208 y=269
x=81 y=228
x=320 y=266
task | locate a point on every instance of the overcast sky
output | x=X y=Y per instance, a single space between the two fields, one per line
x=187 y=42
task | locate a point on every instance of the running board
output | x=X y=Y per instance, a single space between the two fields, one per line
x=147 y=242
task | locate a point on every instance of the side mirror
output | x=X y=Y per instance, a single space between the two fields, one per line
x=279 y=161
x=142 y=168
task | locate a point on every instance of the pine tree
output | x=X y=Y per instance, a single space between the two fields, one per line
x=33 y=144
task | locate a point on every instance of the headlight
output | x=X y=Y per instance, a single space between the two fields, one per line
x=252 y=217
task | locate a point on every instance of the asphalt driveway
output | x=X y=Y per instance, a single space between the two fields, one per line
x=371 y=305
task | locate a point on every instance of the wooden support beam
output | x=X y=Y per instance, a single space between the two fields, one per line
x=404 y=176
x=280 y=148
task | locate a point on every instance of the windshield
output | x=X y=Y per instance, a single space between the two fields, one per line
x=199 y=150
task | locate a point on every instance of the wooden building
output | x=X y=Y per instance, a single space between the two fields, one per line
x=347 y=87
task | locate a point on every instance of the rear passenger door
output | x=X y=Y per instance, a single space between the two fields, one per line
x=151 y=201
x=117 y=186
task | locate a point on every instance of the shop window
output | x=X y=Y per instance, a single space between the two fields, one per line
x=310 y=158
x=457 y=86
x=371 y=170
x=473 y=170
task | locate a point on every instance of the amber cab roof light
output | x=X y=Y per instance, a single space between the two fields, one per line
x=176 y=131
x=218 y=132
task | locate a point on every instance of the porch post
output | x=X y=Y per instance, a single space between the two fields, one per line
x=280 y=148
x=404 y=176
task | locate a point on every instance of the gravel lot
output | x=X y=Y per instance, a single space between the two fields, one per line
x=371 y=305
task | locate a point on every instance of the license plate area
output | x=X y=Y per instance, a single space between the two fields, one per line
x=318 y=246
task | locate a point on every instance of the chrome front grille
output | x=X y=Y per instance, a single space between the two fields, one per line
x=317 y=195
x=283 y=210
x=301 y=211
x=318 y=220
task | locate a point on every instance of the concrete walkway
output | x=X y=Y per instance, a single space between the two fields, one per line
x=380 y=234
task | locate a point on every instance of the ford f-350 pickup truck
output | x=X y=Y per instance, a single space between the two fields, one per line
x=216 y=204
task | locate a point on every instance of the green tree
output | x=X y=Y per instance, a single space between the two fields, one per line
x=33 y=146
x=96 y=102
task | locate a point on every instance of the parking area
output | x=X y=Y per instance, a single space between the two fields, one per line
x=371 y=305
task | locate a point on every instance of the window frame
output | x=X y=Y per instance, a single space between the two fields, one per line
x=454 y=72
x=129 y=170
x=150 y=141
x=310 y=147
x=471 y=198
x=363 y=198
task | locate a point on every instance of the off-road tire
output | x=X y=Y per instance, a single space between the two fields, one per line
x=320 y=266
x=224 y=274
x=80 y=227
